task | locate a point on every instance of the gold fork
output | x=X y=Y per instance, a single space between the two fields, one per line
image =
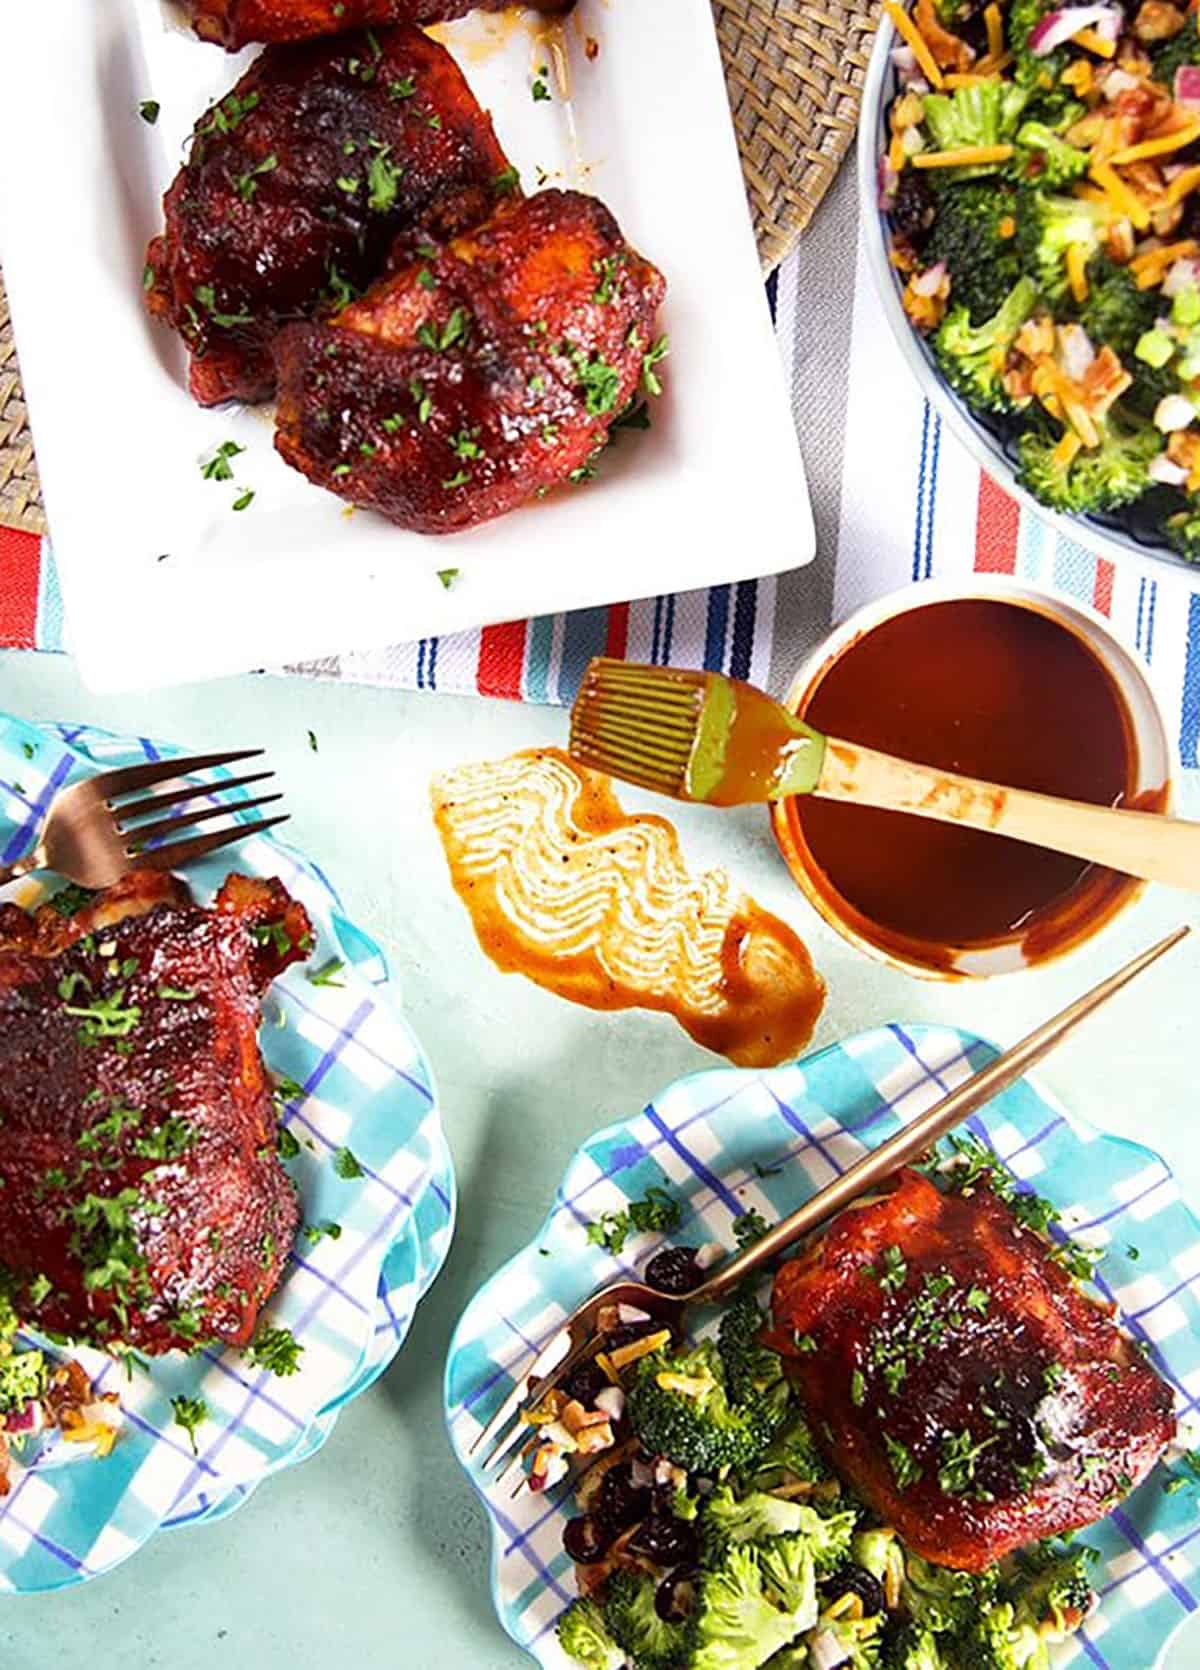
x=509 y=1426
x=94 y=835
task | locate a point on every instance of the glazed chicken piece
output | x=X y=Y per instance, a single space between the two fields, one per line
x=144 y=1202
x=236 y=23
x=963 y=1382
x=297 y=184
x=484 y=371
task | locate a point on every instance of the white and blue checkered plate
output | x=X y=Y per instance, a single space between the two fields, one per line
x=348 y=1301
x=729 y=1140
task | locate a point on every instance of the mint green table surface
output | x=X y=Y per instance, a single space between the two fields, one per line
x=374 y=1554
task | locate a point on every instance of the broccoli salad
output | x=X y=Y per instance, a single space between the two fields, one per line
x=711 y=1534
x=1042 y=188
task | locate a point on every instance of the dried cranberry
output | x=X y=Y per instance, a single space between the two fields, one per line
x=853 y=1580
x=674 y=1270
x=666 y=1540
x=585 y=1539
x=585 y=1384
x=914 y=208
x=619 y=1502
x=675 y=1597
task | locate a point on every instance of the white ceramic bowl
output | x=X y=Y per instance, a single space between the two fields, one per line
x=1153 y=750
x=985 y=449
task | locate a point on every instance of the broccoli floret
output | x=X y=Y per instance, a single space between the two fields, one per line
x=794 y=1657
x=679 y=1408
x=916 y=1649
x=860 y=1638
x=753 y=1373
x=996 y=1641
x=1183 y=534
x=1172 y=55
x=633 y=1622
x=881 y=1553
x=791 y=1454
x=1047 y=225
x=1056 y=1595
x=1037 y=74
x=1150 y=384
x=972 y=356
x=726 y=1520
x=790 y=1577
x=984 y=114
x=1116 y=312
x=1104 y=477
x=737 y=1625
x=1043 y=156
x=942 y=1600
x=581 y=1634
x=974 y=234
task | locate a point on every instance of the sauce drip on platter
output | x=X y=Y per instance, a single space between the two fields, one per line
x=599 y=906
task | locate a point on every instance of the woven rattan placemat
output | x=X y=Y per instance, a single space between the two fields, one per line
x=794 y=70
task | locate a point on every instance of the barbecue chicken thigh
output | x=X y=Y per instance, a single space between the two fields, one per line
x=297 y=184
x=486 y=369
x=237 y=23
x=961 y=1379
x=144 y=1202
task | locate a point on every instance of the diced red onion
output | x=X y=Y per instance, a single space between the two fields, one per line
x=1119 y=81
x=630 y=1315
x=1182 y=275
x=1161 y=469
x=1187 y=86
x=1058 y=27
x=826 y=1651
x=929 y=282
x=1075 y=351
x=611 y=1402
x=555 y=1471
x=712 y=1252
x=904 y=60
x=1173 y=412
x=27 y=1420
x=888 y=181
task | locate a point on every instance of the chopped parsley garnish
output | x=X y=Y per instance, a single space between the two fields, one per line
x=287 y=1091
x=905 y=1470
x=176 y=994
x=244 y=500
x=207 y=297
x=458 y=479
x=975 y=1164
x=426 y=279
x=106 y=1017
x=960 y=1453
x=345 y=1163
x=327 y=974
x=312 y=741
x=447 y=576
x=383 y=181
x=657 y=1210
x=227 y=113
x=70 y=983
x=858 y=1388
x=148 y=110
x=600 y=382
x=978 y=1299
x=506 y=182
x=313 y=1233
x=454 y=330
x=218 y=467
x=103 y=1239
x=606 y=266
x=402 y=89
x=805 y=1344
x=167 y=1141
x=69 y=900
x=465 y=446
x=247 y=184
x=40 y=1289
x=748 y=1228
x=189 y=1413
x=891 y=1272
x=424 y=403
x=539 y=90
x=348 y=184
x=107 y=1131
x=275 y=1349
x=653 y=356
x=1053 y=1376
x=273 y=934
x=286 y=1145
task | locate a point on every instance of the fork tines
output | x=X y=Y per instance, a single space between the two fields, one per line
x=148 y=839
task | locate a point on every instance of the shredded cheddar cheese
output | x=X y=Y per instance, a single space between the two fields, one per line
x=1006 y=227
x=964 y=157
x=1159 y=147
x=994 y=24
x=921 y=49
x=1092 y=42
x=1181 y=185
x=1077 y=259
x=1151 y=268
x=604 y=1364
x=1066 y=450
x=1122 y=196
x=1079 y=76
x=638 y=1348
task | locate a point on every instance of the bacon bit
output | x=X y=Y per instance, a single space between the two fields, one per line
x=1104 y=382
x=950 y=51
x=908 y=29
x=638 y=1348
x=1150 y=269
x=1119 y=242
x=964 y=156
x=1183 y=448
x=1183 y=184
x=1157 y=21
x=590 y=1440
x=1158 y=147
x=1035 y=337
x=1064 y=453
x=903 y=257
x=1077 y=260
x=1092 y=42
x=1123 y=198
x=994 y=24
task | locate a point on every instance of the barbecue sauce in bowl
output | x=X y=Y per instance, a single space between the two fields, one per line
x=992 y=688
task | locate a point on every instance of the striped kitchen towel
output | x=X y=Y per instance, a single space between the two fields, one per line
x=896 y=498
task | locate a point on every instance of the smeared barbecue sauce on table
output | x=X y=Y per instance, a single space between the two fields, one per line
x=992 y=689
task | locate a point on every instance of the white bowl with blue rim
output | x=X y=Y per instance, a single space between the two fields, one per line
x=349 y=1301
x=1107 y=536
x=729 y=1140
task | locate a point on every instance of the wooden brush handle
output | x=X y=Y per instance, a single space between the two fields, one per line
x=1144 y=844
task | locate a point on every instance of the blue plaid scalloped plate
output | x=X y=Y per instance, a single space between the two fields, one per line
x=349 y=1301
x=729 y=1140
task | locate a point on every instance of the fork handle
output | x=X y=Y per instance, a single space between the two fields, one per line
x=35 y=860
x=914 y=1139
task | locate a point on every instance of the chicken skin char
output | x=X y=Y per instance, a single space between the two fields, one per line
x=296 y=186
x=144 y=1199
x=484 y=371
x=234 y=24
x=972 y=1394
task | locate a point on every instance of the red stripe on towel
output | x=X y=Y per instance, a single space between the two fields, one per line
x=997 y=520
x=20 y=573
x=501 y=660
